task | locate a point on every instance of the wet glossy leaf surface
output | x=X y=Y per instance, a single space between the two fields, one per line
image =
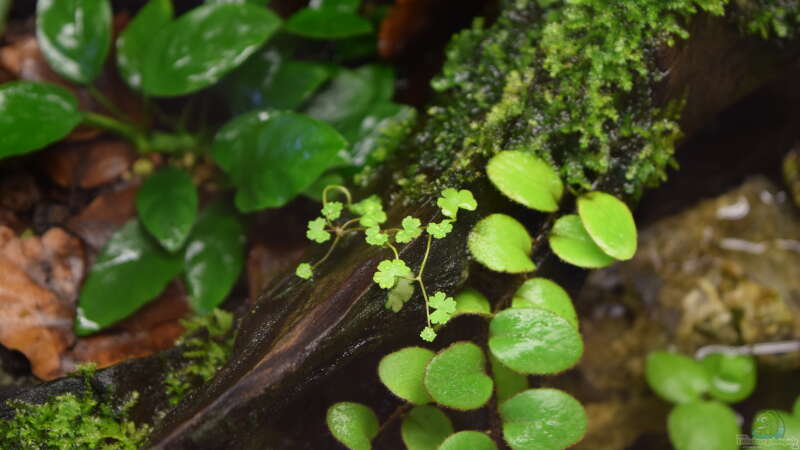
x=137 y=39
x=570 y=241
x=502 y=244
x=701 y=424
x=468 y=440
x=203 y=45
x=214 y=257
x=526 y=179
x=33 y=115
x=545 y=294
x=542 y=419
x=327 y=23
x=425 y=427
x=534 y=341
x=470 y=301
x=75 y=36
x=676 y=378
x=610 y=224
x=131 y=270
x=352 y=424
x=403 y=371
x=456 y=377
x=272 y=157
x=732 y=377
x=167 y=206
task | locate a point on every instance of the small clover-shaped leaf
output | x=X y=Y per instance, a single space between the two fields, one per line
x=332 y=210
x=316 y=230
x=402 y=373
x=427 y=334
x=445 y=307
x=411 y=230
x=371 y=211
x=389 y=271
x=456 y=377
x=451 y=201
x=374 y=236
x=400 y=294
x=304 y=271
x=353 y=424
x=441 y=229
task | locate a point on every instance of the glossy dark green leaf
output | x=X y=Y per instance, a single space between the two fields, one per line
x=327 y=23
x=380 y=132
x=167 y=206
x=214 y=257
x=502 y=244
x=676 y=378
x=136 y=40
x=347 y=6
x=352 y=424
x=131 y=270
x=545 y=294
x=610 y=224
x=403 y=371
x=570 y=241
x=526 y=179
x=507 y=382
x=703 y=425
x=203 y=45
x=273 y=156
x=534 y=341
x=425 y=427
x=74 y=36
x=456 y=377
x=468 y=440
x=346 y=100
x=542 y=419
x=732 y=377
x=33 y=115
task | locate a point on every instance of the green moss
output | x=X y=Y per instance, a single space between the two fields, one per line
x=71 y=421
x=208 y=341
x=769 y=18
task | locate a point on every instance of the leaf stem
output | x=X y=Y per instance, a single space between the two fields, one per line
x=106 y=103
x=115 y=126
x=342 y=189
x=422 y=284
x=330 y=250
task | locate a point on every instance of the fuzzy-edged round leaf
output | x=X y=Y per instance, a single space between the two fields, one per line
x=425 y=427
x=468 y=440
x=542 y=419
x=353 y=424
x=507 y=383
x=403 y=371
x=33 y=115
x=167 y=206
x=273 y=156
x=703 y=425
x=526 y=179
x=545 y=294
x=74 y=36
x=203 y=45
x=534 y=341
x=732 y=377
x=610 y=224
x=676 y=378
x=131 y=270
x=502 y=244
x=570 y=241
x=136 y=39
x=214 y=257
x=456 y=377
x=327 y=23
x=470 y=301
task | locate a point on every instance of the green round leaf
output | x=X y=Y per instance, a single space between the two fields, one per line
x=526 y=179
x=502 y=244
x=570 y=241
x=350 y=6
x=703 y=425
x=203 y=45
x=214 y=257
x=470 y=301
x=545 y=294
x=131 y=270
x=796 y=409
x=456 y=377
x=403 y=372
x=327 y=23
x=610 y=224
x=507 y=382
x=542 y=419
x=676 y=378
x=74 y=36
x=468 y=440
x=273 y=156
x=534 y=341
x=167 y=206
x=732 y=377
x=33 y=115
x=352 y=424
x=136 y=40
x=425 y=427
